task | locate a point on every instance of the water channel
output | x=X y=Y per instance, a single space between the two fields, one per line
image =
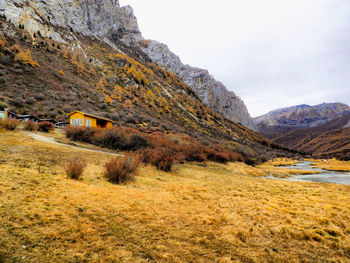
x=323 y=177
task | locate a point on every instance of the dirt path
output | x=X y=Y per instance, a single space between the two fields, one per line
x=47 y=139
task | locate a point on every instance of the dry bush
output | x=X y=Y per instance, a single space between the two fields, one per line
x=157 y=149
x=80 y=134
x=194 y=152
x=162 y=158
x=220 y=157
x=120 y=170
x=9 y=124
x=46 y=126
x=30 y=126
x=112 y=139
x=137 y=141
x=74 y=169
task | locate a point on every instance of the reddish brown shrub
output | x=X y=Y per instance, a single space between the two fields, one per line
x=30 y=126
x=111 y=138
x=220 y=157
x=9 y=124
x=74 y=169
x=194 y=152
x=161 y=158
x=46 y=126
x=120 y=170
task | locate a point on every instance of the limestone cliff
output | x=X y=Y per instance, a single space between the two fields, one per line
x=212 y=92
x=103 y=19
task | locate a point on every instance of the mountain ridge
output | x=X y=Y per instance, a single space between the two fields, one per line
x=329 y=140
x=39 y=75
x=212 y=92
x=300 y=116
x=109 y=22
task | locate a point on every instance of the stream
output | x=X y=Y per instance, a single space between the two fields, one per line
x=323 y=177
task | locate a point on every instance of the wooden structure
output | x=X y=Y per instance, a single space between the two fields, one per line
x=82 y=119
x=61 y=124
x=3 y=114
x=28 y=118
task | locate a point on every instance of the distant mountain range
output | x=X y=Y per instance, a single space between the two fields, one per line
x=322 y=130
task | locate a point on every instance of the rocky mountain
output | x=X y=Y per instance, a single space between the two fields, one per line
x=212 y=92
x=331 y=139
x=109 y=22
x=282 y=121
x=60 y=56
x=103 y=19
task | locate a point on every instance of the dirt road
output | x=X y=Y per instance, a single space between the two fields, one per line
x=43 y=138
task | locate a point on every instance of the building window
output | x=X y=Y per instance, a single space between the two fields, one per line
x=77 y=122
x=87 y=123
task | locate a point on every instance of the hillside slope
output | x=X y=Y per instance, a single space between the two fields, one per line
x=51 y=78
x=110 y=23
x=331 y=139
x=282 y=121
x=212 y=92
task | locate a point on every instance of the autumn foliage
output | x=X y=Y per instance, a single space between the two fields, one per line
x=120 y=170
x=156 y=149
x=24 y=57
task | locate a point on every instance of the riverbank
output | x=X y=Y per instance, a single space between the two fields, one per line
x=319 y=175
x=332 y=165
x=196 y=213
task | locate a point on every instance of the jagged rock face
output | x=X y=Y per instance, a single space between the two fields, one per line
x=304 y=116
x=109 y=22
x=212 y=92
x=100 y=18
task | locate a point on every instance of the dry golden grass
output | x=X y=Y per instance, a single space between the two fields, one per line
x=266 y=169
x=283 y=162
x=332 y=165
x=196 y=213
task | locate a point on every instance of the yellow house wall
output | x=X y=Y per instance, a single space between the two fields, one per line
x=93 y=121
x=76 y=115
x=109 y=125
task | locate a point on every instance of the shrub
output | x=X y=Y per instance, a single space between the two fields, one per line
x=161 y=158
x=46 y=126
x=30 y=126
x=120 y=170
x=9 y=124
x=74 y=169
x=78 y=134
x=194 y=153
x=137 y=142
x=220 y=157
x=112 y=139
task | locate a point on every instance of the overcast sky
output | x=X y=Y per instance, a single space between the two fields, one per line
x=271 y=53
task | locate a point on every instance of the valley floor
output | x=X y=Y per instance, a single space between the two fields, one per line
x=196 y=213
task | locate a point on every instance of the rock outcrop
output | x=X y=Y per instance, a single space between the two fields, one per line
x=282 y=121
x=103 y=19
x=107 y=21
x=212 y=92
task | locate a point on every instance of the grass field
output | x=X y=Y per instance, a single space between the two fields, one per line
x=332 y=165
x=196 y=213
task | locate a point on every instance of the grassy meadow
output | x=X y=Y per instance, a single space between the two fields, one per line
x=332 y=165
x=198 y=212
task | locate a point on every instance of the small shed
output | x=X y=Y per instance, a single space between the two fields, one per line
x=28 y=118
x=78 y=118
x=3 y=115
